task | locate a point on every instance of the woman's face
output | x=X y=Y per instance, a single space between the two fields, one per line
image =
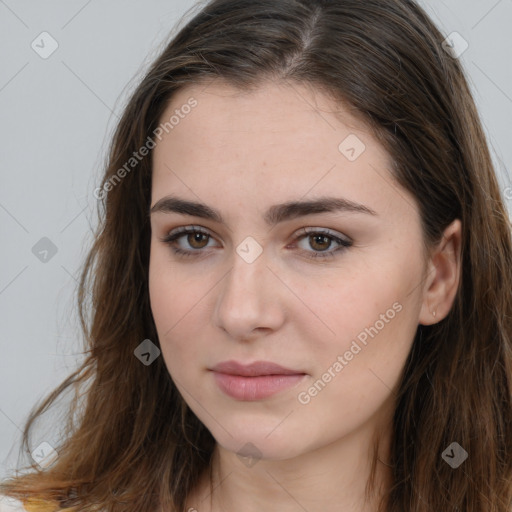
x=336 y=305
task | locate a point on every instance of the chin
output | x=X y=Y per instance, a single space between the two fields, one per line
x=249 y=451
x=254 y=442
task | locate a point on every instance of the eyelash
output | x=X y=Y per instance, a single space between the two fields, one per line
x=303 y=233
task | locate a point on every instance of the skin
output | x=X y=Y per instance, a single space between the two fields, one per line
x=241 y=153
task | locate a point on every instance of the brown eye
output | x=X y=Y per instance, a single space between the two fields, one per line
x=196 y=240
x=189 y=241
x=320 y=242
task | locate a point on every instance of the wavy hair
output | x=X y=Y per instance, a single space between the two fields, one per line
x=131 y=443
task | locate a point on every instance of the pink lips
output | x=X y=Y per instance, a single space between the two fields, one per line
x=255 y=381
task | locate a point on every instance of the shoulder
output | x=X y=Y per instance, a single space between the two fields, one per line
x=8 y=504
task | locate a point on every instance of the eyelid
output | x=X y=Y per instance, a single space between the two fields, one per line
x=188 y=229
x=308 y=230
x=343 y=241
x=302 y=231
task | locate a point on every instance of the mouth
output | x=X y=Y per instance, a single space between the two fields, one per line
x=254 y=381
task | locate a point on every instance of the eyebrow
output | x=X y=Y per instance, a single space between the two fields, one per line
x=274 y=215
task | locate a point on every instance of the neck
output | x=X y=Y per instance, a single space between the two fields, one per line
x=332 y=477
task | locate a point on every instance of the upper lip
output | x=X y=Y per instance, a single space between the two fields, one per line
x=253 y=369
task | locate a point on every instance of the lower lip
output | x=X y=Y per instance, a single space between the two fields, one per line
x=255 y=388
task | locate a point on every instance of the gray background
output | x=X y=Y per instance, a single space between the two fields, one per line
x=56 y=118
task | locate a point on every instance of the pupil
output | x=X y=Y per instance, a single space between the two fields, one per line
x=196 y=238
x=321 y=238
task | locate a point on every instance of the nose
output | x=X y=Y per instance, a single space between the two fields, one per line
x=250 y=300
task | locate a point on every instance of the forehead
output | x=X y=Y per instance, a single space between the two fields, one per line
x=272 y=112
x=280 y=139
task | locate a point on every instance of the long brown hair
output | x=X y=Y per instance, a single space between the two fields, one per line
x=134 y=444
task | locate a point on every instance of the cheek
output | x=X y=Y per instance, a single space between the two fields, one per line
x=358 y=367
x=172 y=292
x=368 y=316
x=177 y=304
x=168 y=296
x=342 y=303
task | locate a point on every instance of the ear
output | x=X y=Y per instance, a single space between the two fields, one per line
x=443 y=276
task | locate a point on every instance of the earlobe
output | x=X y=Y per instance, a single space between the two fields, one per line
x=444 y=276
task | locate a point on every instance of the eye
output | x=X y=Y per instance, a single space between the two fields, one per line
x=319 y=239
x=196 y=238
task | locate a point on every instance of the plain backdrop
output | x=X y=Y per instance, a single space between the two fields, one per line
x=57 y=114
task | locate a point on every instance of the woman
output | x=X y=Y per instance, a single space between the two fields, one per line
x=301 y=282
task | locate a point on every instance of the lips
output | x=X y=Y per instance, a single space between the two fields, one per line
x=255 y=369
x=254 y=381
